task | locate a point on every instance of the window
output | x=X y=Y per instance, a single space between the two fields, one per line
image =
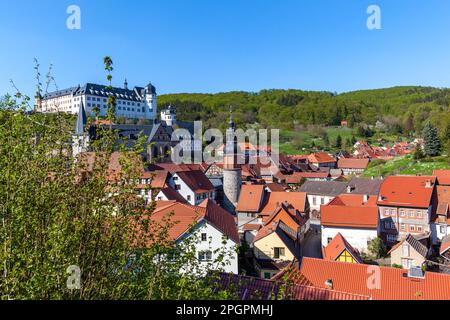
x=391 y=237
x=411 y=213
x=267 y=275
x=386 y=212
x=419 y=228
x=402 y=213
x=278 y=252
x=419 y=214
x=403 y=227
x=412 y=228
x=387 y=225
x=443 y=229
x=205 y=256
x=329 y=240
x=322 y=200
x=314 y=201
x=189 y=198
x=392 y=212
x=177 y=187
x=204 y=237
x=406 y=263
x=405 y=250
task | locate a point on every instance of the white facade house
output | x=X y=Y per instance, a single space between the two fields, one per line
x=138 y=103
x=210 y=243
x=358 y=238
x=193 y=186
x=206 y=230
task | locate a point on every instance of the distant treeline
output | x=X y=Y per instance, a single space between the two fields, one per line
x=399 y=110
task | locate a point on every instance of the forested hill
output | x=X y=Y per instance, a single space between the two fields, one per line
x=287 y=108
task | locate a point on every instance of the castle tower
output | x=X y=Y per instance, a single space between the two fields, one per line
x=232 y=179
x=150 y=101
x=169 y=116
x=80 y=140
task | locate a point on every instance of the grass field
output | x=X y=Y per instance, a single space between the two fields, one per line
x=300 y=142
x=406 y=165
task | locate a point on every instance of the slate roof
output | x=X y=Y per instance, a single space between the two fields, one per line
x=330 y=188
x=365 y=186
x=414 y=243
x=135 y=94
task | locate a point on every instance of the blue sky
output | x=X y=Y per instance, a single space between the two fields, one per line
x=214 y=46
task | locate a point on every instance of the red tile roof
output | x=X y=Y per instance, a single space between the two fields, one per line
x=249 y=288
x=335 y=248
x=350 y=210
x=196 y=180
x=406 y=191
x=359 y=279
x=352 y=163
x=173 y=195
x=296 y=200
x=184 y=217
x=320 y=157
x=250 y=198
x=443 y=176
x=443 y=203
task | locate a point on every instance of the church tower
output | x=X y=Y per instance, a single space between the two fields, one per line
x=232 y=180
x=80 y=140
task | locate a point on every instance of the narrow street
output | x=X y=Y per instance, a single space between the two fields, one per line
x=312 y=247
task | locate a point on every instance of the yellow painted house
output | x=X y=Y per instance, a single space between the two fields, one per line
x=340 y=250
x=275 y=247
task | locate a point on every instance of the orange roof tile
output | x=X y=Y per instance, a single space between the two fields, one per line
x=335 y=248
x=297 y=200
x=196 y=180
x=350 y=210
x=320 y=157
x=394 y=283
x=443 y=176
x=250 y=198
x=184 y=216
x=407 y=191
x=352 y=163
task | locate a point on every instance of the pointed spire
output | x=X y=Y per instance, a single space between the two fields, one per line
x=125 y=85
x=231 y=123
x=81 y=120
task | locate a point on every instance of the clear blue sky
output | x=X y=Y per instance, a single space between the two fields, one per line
x=213 y=46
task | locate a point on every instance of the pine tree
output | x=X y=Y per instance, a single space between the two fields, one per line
x=432 y=143
x=338 y=143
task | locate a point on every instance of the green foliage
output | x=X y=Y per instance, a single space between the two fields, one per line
x=376 y=248
x=57 y=211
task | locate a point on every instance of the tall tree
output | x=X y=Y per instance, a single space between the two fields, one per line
x=338 y=142
x=432 y=144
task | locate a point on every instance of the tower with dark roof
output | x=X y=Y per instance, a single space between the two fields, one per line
x=232 y=179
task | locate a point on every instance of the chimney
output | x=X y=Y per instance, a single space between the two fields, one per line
x=350 y=189
x=329 y=284
x=366 y=198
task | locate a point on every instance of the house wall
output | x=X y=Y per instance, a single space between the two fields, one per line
x=414 y=256
x=264 y=248
x=357 y=238
x=247 y=217
x=438 y=232
x=215 y=243
x=318 y=202
x=351 y=171
x=394 y=226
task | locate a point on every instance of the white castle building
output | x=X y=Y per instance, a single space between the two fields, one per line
x=138 y=103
